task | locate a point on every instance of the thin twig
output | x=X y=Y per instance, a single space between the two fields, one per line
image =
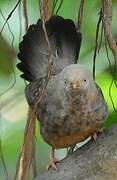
x=107 y=23
x=12 y=49
x=96 y=44
x=20 y=22
x=46 y=9
x=26 y=22
x=25 y=14
x=43 y=15
x=110 y=95
x=27 y=149
x=34 y=167
x=9 y=16
x=54 y=6
x=13 y=38
x=107 y=54
x=61 y=2
x=113 y=76
x=25 y=157
x=101 y=37
x=80 y=14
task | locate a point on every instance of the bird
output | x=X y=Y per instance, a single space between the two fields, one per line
x=73 y=106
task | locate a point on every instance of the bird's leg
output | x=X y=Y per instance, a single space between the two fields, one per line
x=53 y=161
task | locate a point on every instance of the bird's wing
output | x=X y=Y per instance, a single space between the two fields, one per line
x=65 y=44
x=33 y=91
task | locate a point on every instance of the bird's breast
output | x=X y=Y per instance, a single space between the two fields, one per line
x=72 y=123
x=69 y=140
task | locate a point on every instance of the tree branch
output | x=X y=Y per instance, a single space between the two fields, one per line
x=25 y=14
x=94 y=160
x=26 y=155
x=107 y=23
x=80 y=14
x=46 y=10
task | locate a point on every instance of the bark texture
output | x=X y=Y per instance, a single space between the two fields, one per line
x=93 y=161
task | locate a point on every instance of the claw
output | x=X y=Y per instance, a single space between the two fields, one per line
x=95 y=136
x=53 y=162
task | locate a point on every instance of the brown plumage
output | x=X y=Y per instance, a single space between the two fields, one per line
x=73 y=107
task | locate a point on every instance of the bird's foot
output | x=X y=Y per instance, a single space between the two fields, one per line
x=53 y=163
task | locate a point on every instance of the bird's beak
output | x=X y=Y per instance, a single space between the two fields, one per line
x=76 y=84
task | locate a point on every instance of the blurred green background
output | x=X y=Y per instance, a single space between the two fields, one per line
x=13 y=106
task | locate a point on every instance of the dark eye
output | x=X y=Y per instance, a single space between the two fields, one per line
x=65 y=82
x=84 y=80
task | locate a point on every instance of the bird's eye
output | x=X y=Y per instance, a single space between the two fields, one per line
x=65 y=82
x=84 y=80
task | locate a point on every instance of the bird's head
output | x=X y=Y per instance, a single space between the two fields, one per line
x=76 y=78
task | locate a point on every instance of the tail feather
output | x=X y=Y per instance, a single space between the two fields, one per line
x=65 y=44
